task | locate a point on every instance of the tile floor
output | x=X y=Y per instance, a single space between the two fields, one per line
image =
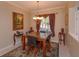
x=63 y=51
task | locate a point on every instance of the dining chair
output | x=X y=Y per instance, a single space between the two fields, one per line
x=32 y=44
x=48 y=43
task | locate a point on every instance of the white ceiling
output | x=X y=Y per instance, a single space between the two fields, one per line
x=32 y=5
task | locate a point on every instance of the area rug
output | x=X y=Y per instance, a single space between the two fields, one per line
x=18 y=52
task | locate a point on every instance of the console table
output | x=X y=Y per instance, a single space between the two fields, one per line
x=22 y=40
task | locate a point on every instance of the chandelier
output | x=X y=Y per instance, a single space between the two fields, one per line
x=37 y=17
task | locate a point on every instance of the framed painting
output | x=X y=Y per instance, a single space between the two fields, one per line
x=17 y=21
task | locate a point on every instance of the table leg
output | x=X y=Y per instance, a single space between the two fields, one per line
x=44 y=48
x=23 y=42
x=14 y=39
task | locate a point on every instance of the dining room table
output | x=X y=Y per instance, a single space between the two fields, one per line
x=41 y=37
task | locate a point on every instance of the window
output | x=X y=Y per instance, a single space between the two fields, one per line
x=73 y=22
x=45 y=26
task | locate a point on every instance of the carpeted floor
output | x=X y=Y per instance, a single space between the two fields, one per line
x=18 y=52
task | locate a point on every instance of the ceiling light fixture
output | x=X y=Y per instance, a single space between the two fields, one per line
x=37 y=17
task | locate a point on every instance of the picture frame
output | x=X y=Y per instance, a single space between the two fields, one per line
x=17 y=21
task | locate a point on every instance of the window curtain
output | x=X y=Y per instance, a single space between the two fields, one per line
x=38 y=22
x=52 y=23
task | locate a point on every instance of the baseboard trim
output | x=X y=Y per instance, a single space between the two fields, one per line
x=9 y=48
x=73 y=36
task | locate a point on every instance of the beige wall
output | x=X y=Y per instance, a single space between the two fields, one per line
x=6 y=31
x=59 y=21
